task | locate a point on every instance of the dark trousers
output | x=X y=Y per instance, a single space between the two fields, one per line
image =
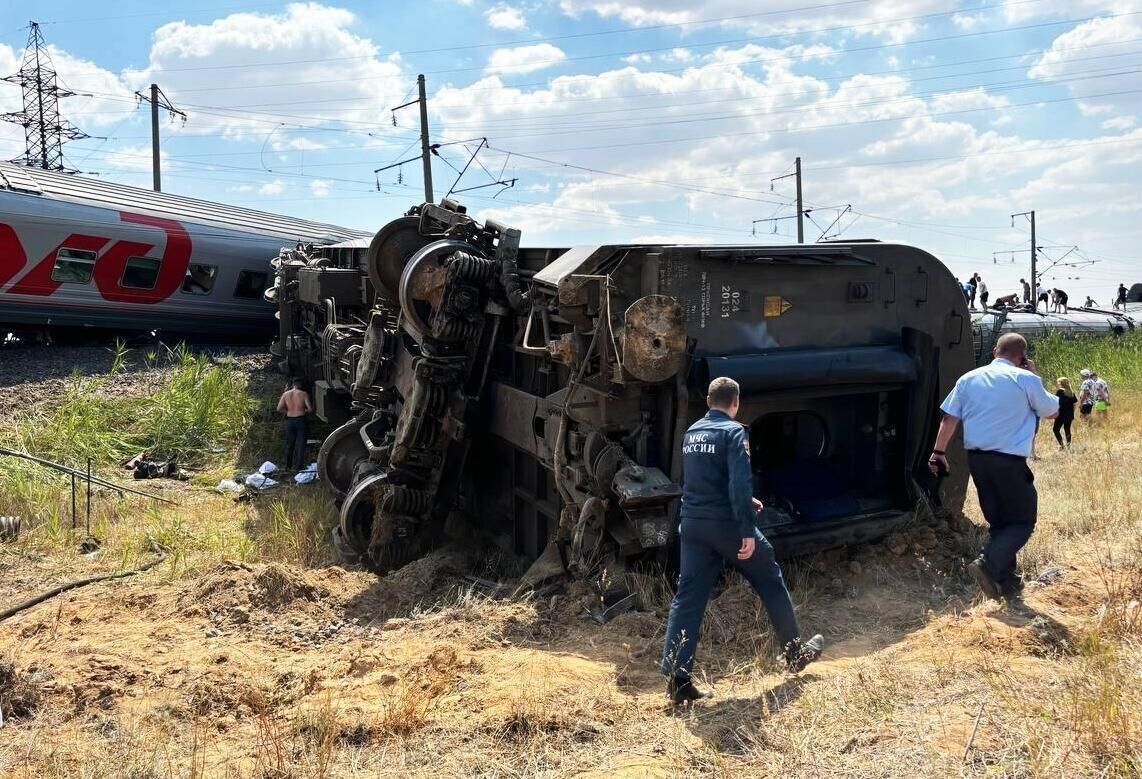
x=295 y=443
x=1063 y=425
x=706 y=545
x=1009 y=502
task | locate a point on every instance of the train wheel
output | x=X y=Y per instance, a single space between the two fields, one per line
x=339 y=455
x=390 y=250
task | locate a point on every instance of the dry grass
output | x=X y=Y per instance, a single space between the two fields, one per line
x=192 y=671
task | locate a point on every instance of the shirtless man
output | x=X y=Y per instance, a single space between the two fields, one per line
x=295 y=404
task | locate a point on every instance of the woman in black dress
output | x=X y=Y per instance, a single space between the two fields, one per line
x=1066 y=415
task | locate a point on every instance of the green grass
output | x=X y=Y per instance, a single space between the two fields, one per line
x=197 y=411
x=1118 y=360
x=194 y=410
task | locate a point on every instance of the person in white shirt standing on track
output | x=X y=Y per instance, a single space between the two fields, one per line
x=1000 y=405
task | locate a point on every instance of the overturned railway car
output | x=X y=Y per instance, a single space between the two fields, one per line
x=988 y=325
x=541 y=393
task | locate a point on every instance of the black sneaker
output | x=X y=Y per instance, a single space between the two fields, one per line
x=986 y=583
x=797 y=655
x=682 y=691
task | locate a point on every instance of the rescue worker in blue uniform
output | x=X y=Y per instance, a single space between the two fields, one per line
x=717 y=526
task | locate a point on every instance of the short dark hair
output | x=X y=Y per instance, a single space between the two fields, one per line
x=297 y=382
x=723 y=391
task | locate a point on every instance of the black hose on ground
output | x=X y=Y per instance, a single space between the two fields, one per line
x=162 y=555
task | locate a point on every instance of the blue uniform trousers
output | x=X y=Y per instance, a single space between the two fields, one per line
x=706 y=545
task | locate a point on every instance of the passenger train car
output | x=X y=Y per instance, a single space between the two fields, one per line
x=77 y=252
x=988 y=325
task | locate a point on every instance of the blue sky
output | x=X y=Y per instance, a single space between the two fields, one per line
x=625 y=120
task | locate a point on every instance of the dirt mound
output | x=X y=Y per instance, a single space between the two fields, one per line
x=272 y=587
x=421 y=582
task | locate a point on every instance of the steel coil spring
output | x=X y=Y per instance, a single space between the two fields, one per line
x=404 y=500
x=473 y=269
x=456 y=329
x=433 y=398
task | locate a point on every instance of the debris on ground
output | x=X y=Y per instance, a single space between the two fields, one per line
x=307 y=475
x=143 y=467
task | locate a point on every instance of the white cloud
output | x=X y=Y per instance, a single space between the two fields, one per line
x=1064 y=62
x=320 y=188
x=637 y=59
x=1018 y=11
x=505 y=17
x=275 y=187
x=1119 y=123
x=967 y=21
x=248 y=62
x=966 y=100
x=678 y=55
x=879 y=18
x=295 y=143
x=241 y=188
x=525 y=59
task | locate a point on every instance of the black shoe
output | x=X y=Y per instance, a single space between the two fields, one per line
x=986 y=583
x=682 y=691
x=797 y=655
x=1012 y=589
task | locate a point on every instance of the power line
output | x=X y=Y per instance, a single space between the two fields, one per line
x=780 y=130
x=739 y=98
x=626 y=74
x=754 y=39
x=620 y=124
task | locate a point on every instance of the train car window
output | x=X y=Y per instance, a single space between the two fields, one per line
x=250 y=284
x=140 y=273
x=73 y=266
x=199 y=279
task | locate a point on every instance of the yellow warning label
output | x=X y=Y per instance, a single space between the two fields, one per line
x=775 y=305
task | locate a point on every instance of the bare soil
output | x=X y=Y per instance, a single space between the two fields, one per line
x=224 y=663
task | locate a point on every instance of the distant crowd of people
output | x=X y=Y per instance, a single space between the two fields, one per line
x=1092 y=399
x=1054 y=301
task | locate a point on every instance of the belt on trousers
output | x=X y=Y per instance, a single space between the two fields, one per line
x=997 y=454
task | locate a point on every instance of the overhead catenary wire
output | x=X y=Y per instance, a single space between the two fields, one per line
x=733 y=41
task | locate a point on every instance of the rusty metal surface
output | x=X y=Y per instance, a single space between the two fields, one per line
x=389 y=250
x=654 y=338
x=427 y=284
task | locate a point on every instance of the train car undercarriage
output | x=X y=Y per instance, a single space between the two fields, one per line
x=539 y=394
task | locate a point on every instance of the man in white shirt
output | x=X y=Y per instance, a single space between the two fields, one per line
x=1041 y=296
x=999 y=405
x=982 y=293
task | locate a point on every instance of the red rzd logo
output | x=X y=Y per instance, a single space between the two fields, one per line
x=109 y=266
